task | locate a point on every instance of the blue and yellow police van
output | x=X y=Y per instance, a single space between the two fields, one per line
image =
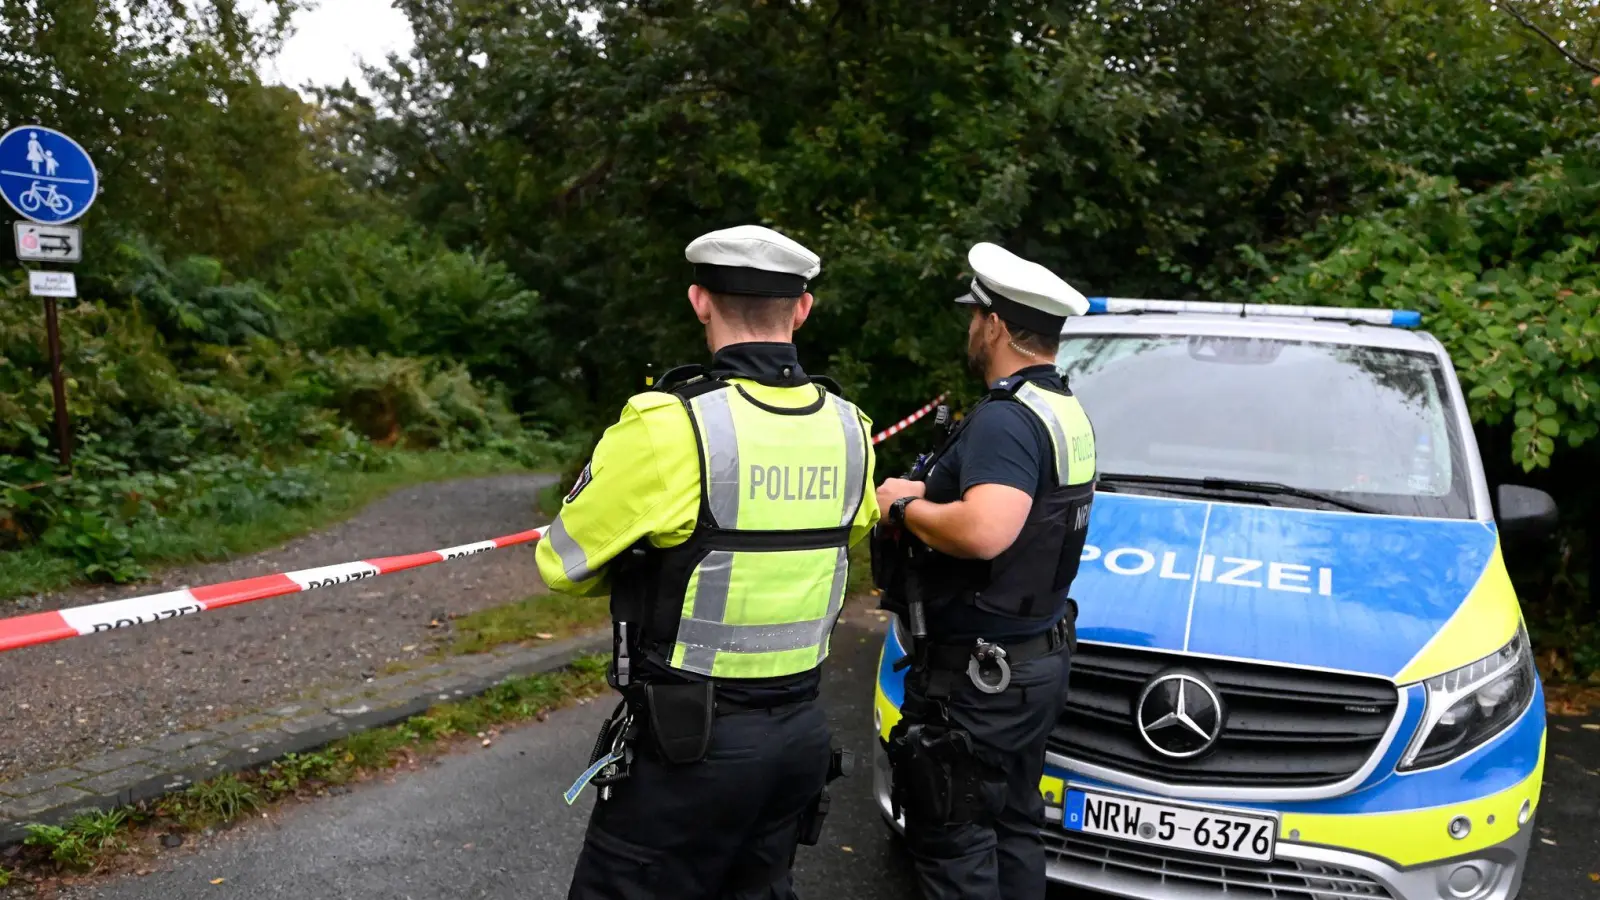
x=1302 y=670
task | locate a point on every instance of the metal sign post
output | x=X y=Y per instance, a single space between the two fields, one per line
x=58 y=385
x=49 y=178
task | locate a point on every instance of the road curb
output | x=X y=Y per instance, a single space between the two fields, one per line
x=176 y=762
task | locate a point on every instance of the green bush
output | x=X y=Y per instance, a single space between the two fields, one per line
x=187 y=402
x=1508 y=278
x=407 y=295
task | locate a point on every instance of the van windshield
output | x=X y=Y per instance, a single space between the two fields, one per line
x=1368 y=427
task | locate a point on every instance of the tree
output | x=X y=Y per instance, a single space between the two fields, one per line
x=194 y=151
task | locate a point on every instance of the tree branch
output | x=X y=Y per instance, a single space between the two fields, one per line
x=1589 y=66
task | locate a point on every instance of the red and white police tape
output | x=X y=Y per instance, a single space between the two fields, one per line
x=42 y=628
x=901 y=425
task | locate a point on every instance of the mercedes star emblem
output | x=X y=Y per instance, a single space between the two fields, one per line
x=1179 y=714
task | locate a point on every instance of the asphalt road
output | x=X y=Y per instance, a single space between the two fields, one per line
x=491 y=823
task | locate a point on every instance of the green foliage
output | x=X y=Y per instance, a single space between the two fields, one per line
x=408 y=295
x=1508 y=278
x=371 y=749
x=77 y=843
x=193 y=300
x=100 y=828
x=65 y=847
x=221 y=507
x=194 y=150
x=1132 y=147
x=286 y=775
x=102 y=548
x=186 y=409
x=222 y=799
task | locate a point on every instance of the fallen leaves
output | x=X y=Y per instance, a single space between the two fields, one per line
x=1571 y=699
x=218 y=880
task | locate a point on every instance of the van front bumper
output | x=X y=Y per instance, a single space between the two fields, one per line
x=1301 y=871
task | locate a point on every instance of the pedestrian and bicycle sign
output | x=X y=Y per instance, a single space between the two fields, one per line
x=48 y=243
x=45 y=175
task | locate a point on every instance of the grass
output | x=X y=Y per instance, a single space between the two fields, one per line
x=545 y=617
x=860 y=580
x=542 y=617
x=549 y=500
x=179 y=541
x=81 y=840
x=97 y=841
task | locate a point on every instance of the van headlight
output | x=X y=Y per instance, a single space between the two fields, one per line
x=1470 y=705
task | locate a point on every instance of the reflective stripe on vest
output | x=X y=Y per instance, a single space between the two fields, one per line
x=769 y=612
x=1071 y=435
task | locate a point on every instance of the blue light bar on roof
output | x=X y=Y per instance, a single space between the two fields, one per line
x=1402 y=318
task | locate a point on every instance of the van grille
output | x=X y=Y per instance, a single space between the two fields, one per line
x=1170 y=872
x=1285 y=727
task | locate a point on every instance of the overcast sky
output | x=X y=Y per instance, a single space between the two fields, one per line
x=329 y=40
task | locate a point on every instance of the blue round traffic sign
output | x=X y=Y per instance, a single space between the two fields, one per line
x=45 y=175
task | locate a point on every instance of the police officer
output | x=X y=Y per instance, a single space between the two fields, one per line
x=718 y=512
x=978 y=549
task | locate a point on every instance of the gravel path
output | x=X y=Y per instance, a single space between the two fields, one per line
x=75 y=698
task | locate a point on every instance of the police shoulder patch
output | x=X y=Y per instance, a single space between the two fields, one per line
x=584 y=478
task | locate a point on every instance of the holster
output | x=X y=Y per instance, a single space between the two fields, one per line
x=680 y=717
x=938 y=777
x=840 y=764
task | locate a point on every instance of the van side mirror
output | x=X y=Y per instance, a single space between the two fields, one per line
x=1524 y=513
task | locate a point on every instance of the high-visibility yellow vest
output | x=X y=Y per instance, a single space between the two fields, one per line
x=1071 y=434
x=757 y=589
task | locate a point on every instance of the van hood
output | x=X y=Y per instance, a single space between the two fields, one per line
x=1336 y=590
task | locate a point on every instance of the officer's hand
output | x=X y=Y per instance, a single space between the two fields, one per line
x=893 y=489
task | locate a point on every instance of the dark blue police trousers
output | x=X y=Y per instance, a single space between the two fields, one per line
x=1003 y=857
x=724 y=828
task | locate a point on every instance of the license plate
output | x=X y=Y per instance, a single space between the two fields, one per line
x=1192 y=828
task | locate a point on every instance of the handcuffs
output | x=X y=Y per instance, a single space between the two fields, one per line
x=984 y=652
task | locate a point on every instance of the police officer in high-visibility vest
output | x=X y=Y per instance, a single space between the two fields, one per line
x=718 y=512
x=977 y=551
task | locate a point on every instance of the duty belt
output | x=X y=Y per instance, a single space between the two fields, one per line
x=726 y=706
x=981 y=655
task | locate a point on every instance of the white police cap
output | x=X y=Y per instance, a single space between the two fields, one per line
x=752 y=260
x=1021 y=292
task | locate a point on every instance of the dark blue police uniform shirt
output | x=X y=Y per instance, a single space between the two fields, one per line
x=1005 y=444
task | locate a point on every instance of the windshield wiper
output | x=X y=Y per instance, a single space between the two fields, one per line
x=1235 y=484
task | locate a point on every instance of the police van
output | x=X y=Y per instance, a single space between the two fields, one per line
x=1302 y=671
